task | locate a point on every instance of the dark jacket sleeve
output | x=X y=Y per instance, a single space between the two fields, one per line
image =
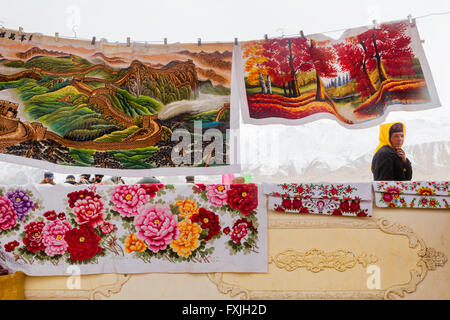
x=384 y=169
x=408 y=167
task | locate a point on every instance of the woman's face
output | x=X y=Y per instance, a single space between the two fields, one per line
x=397 y=139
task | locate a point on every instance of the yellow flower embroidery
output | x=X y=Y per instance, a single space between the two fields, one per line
x=188 y=239
x=425 y=191
x=186 y=208
x=133 y=243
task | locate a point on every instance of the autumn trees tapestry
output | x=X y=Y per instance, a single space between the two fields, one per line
x=357 y=79
x=121 y=109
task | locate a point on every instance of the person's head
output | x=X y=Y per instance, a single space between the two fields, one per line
x=48 y=177
x=190 y=179
x=98 y=178
x=117 y=180
x=70 y=178
x=85 y=176
x=396 y=135
x=148 y=180
x=238 y=180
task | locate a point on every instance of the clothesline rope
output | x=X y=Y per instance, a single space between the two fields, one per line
x=205 y=42
x=343 y=29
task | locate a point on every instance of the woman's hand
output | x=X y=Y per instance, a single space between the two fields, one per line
x=401 y=154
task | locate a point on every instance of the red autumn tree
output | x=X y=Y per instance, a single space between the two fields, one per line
x=277 y=63
x=389 y=46
x=323 y=59
x=353 y=57
x=386 y=49
x=289 y=56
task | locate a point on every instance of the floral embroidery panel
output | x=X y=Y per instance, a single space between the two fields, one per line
x=412 y=194
x=342 y=199
x=133 y=228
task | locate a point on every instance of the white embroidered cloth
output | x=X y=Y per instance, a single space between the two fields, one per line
x=46 y=229
x=346 y=199
x=412 y=194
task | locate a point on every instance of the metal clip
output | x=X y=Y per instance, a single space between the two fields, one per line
x=266 y=37
x=128 y=41
x=165 y=41
x=302 y=34
x=93 y=41
x=56 y=36
x=235 y=41
x=199 y=42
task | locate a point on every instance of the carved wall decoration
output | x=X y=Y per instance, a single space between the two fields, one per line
x=429 y=259
x=316 y=260
x=98 y=293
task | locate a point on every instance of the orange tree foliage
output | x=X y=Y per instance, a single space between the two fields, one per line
x=254 y=65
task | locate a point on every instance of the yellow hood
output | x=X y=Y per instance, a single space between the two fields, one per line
x=384 y=134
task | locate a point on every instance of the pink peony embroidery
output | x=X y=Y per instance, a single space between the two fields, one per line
x=239 y=232
x=157 y=226
x=108 y=227
x=217 y=194
x=89 y=210
x=8 y=217
x=128 y=198
x=53 y=237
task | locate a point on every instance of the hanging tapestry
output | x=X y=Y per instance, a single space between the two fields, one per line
x=414 y=194
x=126 y=110
x=355 y=80
x=343 y=199
x=44 y=230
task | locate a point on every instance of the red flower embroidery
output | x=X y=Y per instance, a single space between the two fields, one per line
x=83 y=243
x=337 y=212
x=50 y=215
x=151 y=189
x=82 y=194
x=226 y=230
x=424 y=201
x=361 y=214
x=387 y=197
x=61 y=216
x=304 y=210
x=243 y=197
x=300 y=189
x=33 y=238
x=199 y=187
x=10 y=246
x=207 y=220
x=354 y=206
x=240 y=229
x=297 y=204
x=344 y=206
x=286 y=203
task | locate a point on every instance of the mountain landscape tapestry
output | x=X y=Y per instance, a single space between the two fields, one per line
x=355 y=80
x=121 y=109
x=45 y=230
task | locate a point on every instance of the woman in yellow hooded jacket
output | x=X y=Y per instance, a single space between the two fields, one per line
x=389 y=162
